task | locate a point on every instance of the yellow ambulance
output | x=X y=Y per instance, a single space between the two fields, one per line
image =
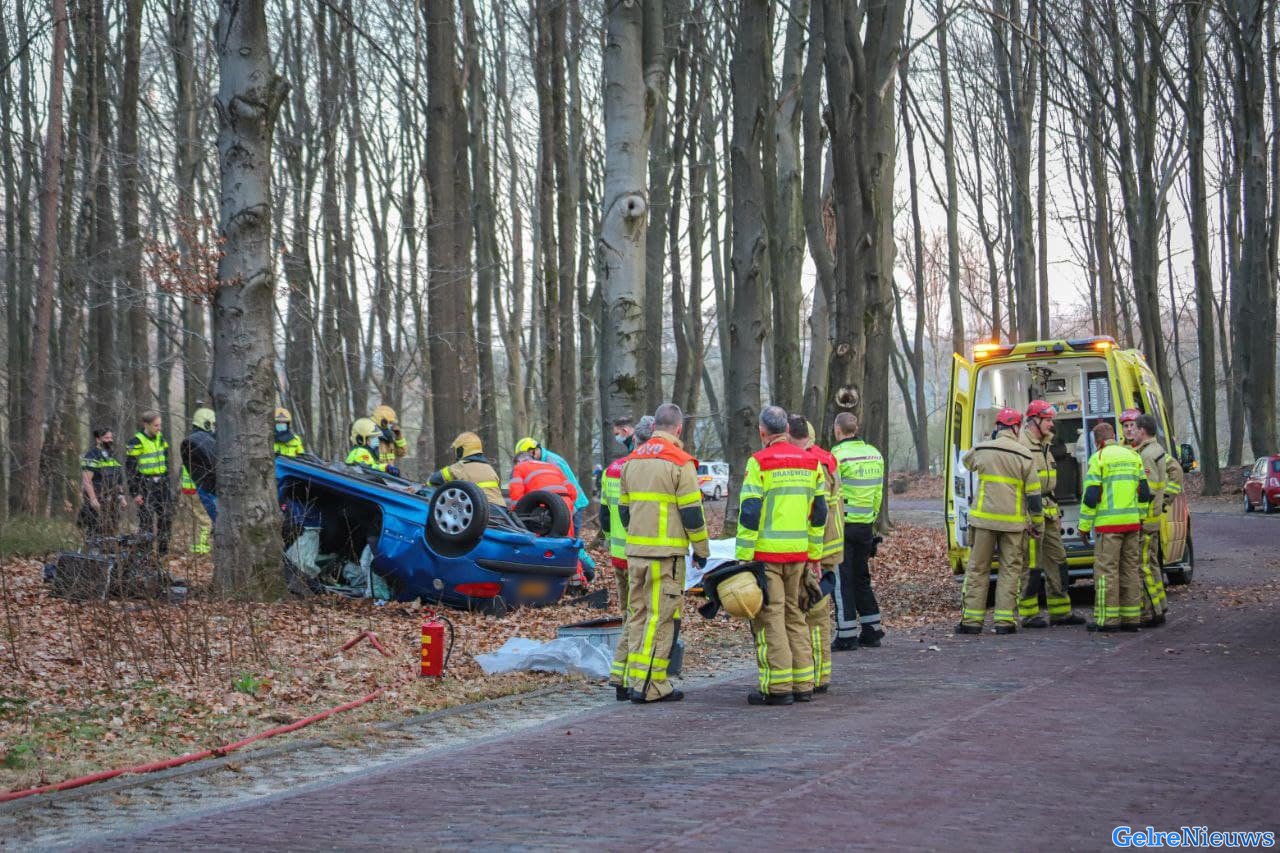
x=1086 y=380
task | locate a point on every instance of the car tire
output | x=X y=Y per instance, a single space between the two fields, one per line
x=456 y=517
x=544 y=513
x=1182 y=576
x=715 y=495
x=1248 y=507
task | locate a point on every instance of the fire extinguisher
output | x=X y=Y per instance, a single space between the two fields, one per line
x=435 y=656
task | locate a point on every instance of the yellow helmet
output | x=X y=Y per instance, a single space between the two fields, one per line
x=740 y=595
x=204 y=419
x=283 y=415
x=363 y=430
x=383 y=413
x=526 y=445
x=467 y=444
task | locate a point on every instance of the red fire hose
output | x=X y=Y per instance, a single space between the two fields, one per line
x=190 y=757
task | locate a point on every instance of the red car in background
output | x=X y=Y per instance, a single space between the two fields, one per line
x=1262 y=485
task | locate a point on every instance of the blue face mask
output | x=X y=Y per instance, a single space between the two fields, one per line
x=281 y=429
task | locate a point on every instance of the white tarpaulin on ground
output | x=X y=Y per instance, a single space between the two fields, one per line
x=721 y=553
x=564 y=654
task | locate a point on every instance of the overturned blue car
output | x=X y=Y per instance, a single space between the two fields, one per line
x=447 y=545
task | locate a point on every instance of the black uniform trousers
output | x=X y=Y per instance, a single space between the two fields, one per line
x=156 y=513
x=856 y=606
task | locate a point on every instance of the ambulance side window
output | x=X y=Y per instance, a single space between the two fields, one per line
x=1154 y=410
x=956 y=415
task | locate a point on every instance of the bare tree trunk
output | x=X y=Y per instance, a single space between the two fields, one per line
x=749 y=78
x=1196 y=13
x=1108 y=324
x=454 y=360
x=658 y=13
x=28 y=488
x=139 y=368
x=913 y=352
x=953 y=193
x=628 y=115
x=816 y=221
x=511 y=321
x=788 y=222
x=247 y=557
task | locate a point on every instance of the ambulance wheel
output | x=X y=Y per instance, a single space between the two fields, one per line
x=544 y=513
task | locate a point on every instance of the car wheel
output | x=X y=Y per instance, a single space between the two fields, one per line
x=715 y=495
x=456 y=517
x=1183 y=575
x=1248 y=507
x=544 y=513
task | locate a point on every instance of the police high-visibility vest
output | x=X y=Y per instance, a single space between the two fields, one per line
x=781 y=488
x=151 y=455
x=1117 y=470
x=861 y=480
x=833 y=535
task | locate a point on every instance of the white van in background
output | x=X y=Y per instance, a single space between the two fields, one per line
x=713 y=479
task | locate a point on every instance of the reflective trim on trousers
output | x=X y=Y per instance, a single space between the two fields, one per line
x=846 y=629
x=871 y=619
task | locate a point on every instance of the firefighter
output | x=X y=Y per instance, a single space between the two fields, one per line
x=473 y=466
x=1128 y=423
x=364 y=445
x=1116 y=495
x=284 y=441
x=101 y=486
x=1164 y=478
x=615 y=534
x=1044 y=560
x=660 y=505
x=147 y=463
x=391 y=442
x=861 y=472
x=540 y=453
x=1007 y=508
x=787 y=538
x=199 y=452
x=818 y=615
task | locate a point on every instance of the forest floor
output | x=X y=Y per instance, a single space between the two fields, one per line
x=89 y=687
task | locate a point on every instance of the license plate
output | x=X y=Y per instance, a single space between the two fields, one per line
x=533 y=589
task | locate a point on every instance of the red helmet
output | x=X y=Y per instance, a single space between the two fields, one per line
x=1009 y=417
x=1129 y=415
x=1041 y=409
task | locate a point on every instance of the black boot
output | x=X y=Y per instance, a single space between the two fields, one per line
x=802 y=695
x=674 y=696
x=846 y=644
x=1071 y=619
x=968 y=629
x=621 y=693
x=1006 y=629
x=758 y=698
x=1035 y=622
x=822 y=688
x=870 y=638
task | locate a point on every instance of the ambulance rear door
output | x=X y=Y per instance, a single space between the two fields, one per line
x=959 y=438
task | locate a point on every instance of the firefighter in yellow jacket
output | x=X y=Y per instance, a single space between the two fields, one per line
x=1164 y=478
x=613 y=530
x=1044 y=558
x=1115 y=500
x=782 y=517
x=818 y=615
x=660 y=504
x=472 y=466
x=1006 y=508
x=392 y=446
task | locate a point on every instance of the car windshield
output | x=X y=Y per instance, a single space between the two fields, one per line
x=702 y=469
x=1275 y=466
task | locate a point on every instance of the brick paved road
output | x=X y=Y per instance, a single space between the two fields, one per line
x=1045 y=738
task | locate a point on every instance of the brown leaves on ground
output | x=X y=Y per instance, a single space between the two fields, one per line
x=91 y=686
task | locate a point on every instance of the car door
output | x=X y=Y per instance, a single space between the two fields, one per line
x=959 y=437
x=1253 y=485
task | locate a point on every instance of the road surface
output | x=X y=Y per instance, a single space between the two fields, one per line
x=1046 y=738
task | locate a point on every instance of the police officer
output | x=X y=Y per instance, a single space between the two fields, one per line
x=818 y=615
x=473 y=466
x=284 y=441
x=660 y=504
x=147 y=464
x=615 y=533
x=1164 y=478
x=861 y=470
x=392 y=445
x=787 y=538
x=1115 y=497
x=101 y=486
x=1007 y=507
x=1045 y=557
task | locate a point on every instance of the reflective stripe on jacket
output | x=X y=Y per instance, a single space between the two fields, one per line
x=390 y=451
x=782 y=514
x=833 y=533
x=1164 y=478
x=476 y=469
x=1114 y=490
x=531 y=476
x=1046 y=468
x=150 y=455
x=660 y=502
x=861 y=469
x=1008 y=485
x=610 y=522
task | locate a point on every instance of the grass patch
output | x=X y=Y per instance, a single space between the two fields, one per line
x=19 y=756
x=26 y=536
